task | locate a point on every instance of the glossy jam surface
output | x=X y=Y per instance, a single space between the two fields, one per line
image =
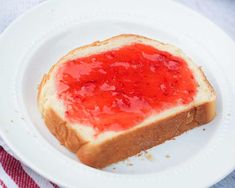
x=118 y=89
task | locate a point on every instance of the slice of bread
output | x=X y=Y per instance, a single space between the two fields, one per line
x=100 y=150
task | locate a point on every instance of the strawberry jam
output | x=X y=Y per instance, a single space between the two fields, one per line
x=118 y=89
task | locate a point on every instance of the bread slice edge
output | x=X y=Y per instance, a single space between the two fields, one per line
x=129 y=142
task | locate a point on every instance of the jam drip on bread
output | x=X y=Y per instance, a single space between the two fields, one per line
x=118 y=89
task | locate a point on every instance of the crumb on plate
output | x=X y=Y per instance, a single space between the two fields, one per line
x=168 y=156
x=149 y=156
x=139 y=154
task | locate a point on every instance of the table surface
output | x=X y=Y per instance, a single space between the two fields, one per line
x=221 y=12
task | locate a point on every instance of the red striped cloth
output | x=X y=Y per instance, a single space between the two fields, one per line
x=14 y=174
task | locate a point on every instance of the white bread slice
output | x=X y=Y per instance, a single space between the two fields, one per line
x=112 y=146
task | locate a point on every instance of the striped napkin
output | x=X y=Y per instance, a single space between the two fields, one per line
x=14 y=174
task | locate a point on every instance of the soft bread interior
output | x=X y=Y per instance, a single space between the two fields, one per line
x=48 y=98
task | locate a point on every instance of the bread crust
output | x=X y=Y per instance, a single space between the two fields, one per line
x=64 y=133
x=129 y=142
x=132 y=142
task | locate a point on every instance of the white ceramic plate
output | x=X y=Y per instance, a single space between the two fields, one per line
x=35 y=41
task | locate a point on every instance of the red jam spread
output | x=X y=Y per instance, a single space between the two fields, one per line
x=117 y=89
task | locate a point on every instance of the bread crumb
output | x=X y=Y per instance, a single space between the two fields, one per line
x=168 y=156
x=149 y=156
x=139 y=154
